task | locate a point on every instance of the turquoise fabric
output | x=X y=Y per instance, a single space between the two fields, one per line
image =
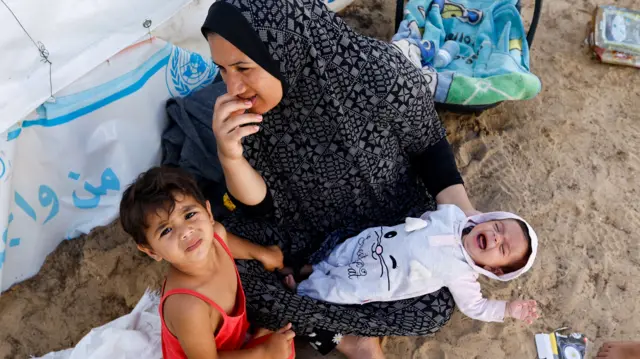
x=493 y=62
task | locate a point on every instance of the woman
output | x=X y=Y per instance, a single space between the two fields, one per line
x=343 y=130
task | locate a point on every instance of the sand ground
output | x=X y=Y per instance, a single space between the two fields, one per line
x=567 y=161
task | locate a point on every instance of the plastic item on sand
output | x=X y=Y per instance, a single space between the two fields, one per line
x=615 y=36
x=558 y=346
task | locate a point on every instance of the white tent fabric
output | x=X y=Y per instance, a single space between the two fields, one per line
x=67 y=164
x=64 y=163
x=78 y=35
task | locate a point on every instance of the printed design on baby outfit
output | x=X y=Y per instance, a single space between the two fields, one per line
x=356 y=267
x=376 y=253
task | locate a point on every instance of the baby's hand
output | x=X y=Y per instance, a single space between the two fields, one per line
x=271 y=258
x=525 y=310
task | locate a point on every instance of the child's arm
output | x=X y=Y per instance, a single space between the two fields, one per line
x=271 y=257
x=468 y=297
x=192 y=324
x=190 y=320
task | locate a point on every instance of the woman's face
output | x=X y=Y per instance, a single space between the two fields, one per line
x=243 y=77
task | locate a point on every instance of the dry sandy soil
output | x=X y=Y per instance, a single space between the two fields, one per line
x=567 y=161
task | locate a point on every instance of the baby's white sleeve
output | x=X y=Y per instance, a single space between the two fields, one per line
x=468 y=297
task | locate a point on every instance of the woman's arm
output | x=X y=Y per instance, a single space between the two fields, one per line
x=437 y=168
x=231 y=123
x=243 y=182
x=457 y=194
x=249 y=186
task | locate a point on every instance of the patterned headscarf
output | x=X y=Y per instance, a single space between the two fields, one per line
x=225 y=20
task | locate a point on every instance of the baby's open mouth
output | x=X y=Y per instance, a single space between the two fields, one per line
x=482 y=241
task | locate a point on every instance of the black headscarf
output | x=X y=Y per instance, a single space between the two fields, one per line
x=335 y=151
x=225 y=20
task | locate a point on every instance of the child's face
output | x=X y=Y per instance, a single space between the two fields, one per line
x=182 y=237
x=494 y=245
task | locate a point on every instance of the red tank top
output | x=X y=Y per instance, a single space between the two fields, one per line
x=231 y=335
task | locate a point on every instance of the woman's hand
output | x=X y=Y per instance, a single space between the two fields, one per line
x=231 y=125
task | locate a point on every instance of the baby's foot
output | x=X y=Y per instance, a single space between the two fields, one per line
x=303 y=273
x=619 y=350
x=286 y=271
x=290 y=283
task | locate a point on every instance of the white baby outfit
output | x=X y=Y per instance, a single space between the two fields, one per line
x=410 y=260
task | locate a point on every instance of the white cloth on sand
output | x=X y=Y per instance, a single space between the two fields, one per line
x=133 y=336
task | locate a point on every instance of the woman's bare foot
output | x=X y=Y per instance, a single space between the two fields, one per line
x=360 y=347
x=619 y=350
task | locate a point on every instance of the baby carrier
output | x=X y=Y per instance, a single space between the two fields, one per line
x=474 y=53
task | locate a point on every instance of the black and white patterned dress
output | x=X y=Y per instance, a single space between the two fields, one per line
x=335 y=154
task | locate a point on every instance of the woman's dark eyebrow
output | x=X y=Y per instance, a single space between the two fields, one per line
x=234 y=64
x=239 y=63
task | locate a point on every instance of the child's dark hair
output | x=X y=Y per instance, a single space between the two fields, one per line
x=523 y=261
x=153 y=190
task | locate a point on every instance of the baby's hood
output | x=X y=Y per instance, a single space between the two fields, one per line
x=492 y=216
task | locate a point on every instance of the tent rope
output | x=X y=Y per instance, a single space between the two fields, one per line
x=44 y=53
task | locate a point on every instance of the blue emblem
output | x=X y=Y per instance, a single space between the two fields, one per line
x=3 y=168
x=188 y=72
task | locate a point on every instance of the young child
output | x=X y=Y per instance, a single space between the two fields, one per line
x=443 y=248
x=202 y=308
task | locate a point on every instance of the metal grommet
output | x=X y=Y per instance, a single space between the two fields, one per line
x=147 y=23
